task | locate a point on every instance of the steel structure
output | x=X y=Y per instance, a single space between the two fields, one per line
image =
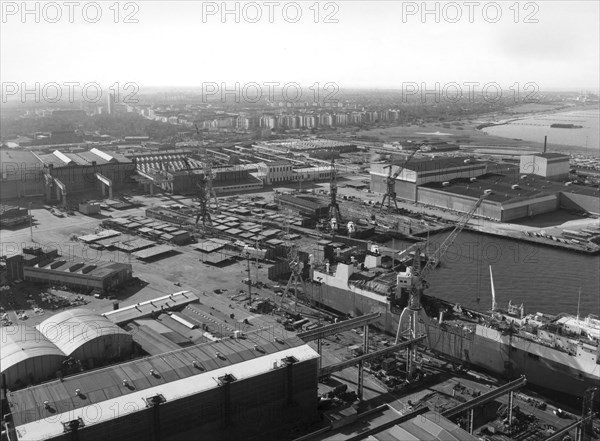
x=335 y=216
x=486 y=397
x=296 y=276
x=328 y=370
x=418 y=283
x=390 y=194
x=208 y=173
x=204 y=212
x=346 y=325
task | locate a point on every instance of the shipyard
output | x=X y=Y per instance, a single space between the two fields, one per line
x=171 y=267
x=325 y=252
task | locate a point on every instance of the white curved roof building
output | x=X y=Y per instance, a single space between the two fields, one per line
x=85 y=335
x=27 y=356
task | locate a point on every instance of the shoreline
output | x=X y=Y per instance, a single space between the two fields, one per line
x=498 y=120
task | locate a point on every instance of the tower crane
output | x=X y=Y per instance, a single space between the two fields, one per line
x=414 y=280
x=335 y=217
x=390 y=181
x=296 y=267
x=204 y=212
x=208 y=173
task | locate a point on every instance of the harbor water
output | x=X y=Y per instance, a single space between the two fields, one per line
x=544 y=279
x=534 y=128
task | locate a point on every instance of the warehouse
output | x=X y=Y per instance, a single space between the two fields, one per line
x=511 y=198
x=21 y=174
x=422 y=171
x=92 y=171
x=548 y=165
x=87 y=336
x=100 y=276
x=28 y=357
x=305 y=205
x=210 y=390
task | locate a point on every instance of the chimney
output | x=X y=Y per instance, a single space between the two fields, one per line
x=545 y=140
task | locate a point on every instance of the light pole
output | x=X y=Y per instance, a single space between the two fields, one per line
x=249 y=279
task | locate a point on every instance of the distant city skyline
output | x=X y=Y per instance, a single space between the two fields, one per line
x=180 y=45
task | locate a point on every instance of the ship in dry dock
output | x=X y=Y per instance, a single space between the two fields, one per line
x=557 y=352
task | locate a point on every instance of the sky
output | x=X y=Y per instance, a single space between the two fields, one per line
x=354 y=44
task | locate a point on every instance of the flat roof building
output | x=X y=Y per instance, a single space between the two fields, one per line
x=100 y=276
x=207 y=391
x=420 y=171
x=20 y=175
x=548 y=165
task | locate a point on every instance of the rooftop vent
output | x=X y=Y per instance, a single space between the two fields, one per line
x=155 y=400
x=289 y=360
x=73 y=425
x=226 y=379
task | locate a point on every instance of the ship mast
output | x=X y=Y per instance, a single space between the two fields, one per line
x=578 y=303
x=493 y=290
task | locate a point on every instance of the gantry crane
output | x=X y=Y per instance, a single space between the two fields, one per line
x=335 y=217
x=296 y=276
x=414 y=279
x=390 y=181
x=204 y=212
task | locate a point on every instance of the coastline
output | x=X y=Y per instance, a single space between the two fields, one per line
x=504 y=118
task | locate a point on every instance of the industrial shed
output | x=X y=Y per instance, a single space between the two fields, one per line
x=28 y=356
x=87 y=336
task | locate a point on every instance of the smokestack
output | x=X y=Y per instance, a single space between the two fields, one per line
x=545 y=140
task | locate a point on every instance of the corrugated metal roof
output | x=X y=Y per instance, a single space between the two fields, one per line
x=429 y=425
x=69 y=330
x=145 y=309
x=20 y=342
x=174 y=377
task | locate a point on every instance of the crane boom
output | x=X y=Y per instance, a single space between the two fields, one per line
x=390 y=181
x=443 y=248
x=411 y=314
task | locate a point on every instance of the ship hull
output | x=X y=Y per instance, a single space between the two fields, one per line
x=480 y=347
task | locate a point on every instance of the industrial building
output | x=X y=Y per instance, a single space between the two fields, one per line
x=456 y=184
x=553 y=166
x=99 y=276
x=75 y=173
x=305 y=146
x=306 y=205
x=209 y=391
x=87 y=336
x=32 y=255
x=422 y=171
x=277 y=172
x=44 y=266
x=27 y=356
x=510 y=198
x=21 y=175
x=170 y=173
